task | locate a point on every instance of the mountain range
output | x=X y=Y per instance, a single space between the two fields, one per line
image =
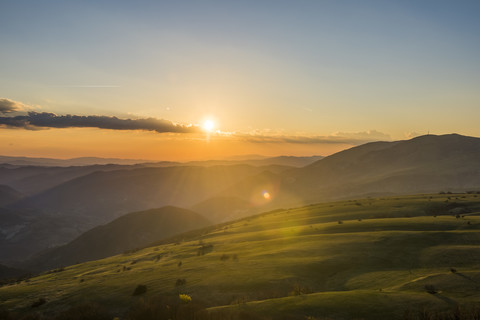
x=76 y=199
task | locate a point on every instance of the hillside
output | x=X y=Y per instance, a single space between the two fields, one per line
x=24 y=233
x=374 y=258
x=133 y=230
x=423 y=164
x=8 y=195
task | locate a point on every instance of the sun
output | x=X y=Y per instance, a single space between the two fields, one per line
x=208 y=125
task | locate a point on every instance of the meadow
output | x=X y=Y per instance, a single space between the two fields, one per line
x=373 y=258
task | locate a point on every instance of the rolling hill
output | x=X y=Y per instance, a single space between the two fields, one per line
x=128 y=232
x=373 y=258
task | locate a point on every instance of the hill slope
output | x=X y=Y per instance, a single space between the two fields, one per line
x=369 y=258
x=8 y=195
x=424 y=164
x=128 y=232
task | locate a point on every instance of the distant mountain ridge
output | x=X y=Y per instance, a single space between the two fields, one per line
x=294 y=161
x=81 y=161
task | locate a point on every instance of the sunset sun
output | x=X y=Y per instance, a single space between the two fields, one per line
x=208 y=125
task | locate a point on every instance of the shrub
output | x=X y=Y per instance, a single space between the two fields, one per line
x=38 y=303
x=180 y=282
x=185 y=298
x=204 y=249
x=299 y=290
x=224 y=257
x=140 y=289
x=430 y=288
x=453 y=270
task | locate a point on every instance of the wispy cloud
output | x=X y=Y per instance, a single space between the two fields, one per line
x=350 y=138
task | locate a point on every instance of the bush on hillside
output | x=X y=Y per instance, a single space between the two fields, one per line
x=180 y=282
x=140 y=289
x=430 y=288
x=37 y=303
x=204 y=249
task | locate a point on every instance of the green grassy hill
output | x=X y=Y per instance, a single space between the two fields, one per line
x=359 y=259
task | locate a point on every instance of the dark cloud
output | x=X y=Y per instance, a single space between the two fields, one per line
x=7 y=106
x=35 y=120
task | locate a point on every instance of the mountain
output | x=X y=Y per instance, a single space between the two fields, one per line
x=423 y=164
x=289 y=161
x=91 y=161
x=128 y=232
x=8 y=195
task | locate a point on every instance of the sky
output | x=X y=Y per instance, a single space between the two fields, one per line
x=138 y=79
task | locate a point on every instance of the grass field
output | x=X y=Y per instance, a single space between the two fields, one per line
x=357 y=259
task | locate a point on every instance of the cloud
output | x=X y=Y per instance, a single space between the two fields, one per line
x=350 y=138
x=8 y=106
x=43 y=120
x=36 y=120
